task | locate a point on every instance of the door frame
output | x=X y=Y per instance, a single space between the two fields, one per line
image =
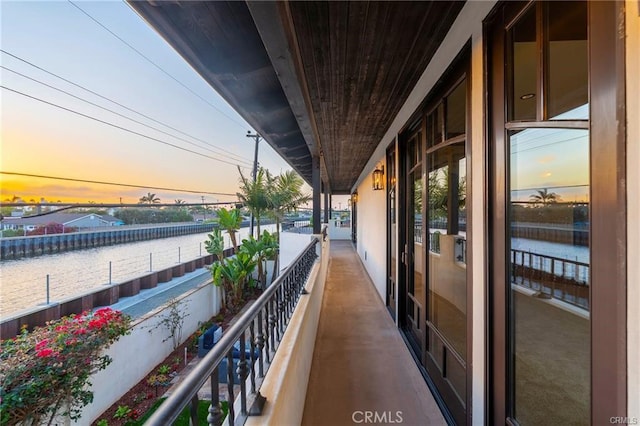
x=607 y=203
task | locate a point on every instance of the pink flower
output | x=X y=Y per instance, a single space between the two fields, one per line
x=41 y=344
x=46 y=352
x=80 y=331
x=97 y=323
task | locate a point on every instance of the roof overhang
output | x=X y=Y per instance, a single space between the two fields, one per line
x=313 y=78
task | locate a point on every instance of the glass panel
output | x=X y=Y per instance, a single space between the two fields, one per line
x=457 y=377
x=418 y=267
x=431 y=120
x=568 y=60
x=447 y=275
x=456 y=111
x=524 y=67
x=549 y=264
x=439 y=124
x=436 y=349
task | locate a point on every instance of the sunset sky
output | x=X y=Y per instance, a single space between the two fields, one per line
x=41 y=139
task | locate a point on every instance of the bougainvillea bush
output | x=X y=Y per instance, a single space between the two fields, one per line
x=45 y=373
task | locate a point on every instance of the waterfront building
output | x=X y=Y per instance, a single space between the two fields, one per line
x=459 y=129
x=68 y=220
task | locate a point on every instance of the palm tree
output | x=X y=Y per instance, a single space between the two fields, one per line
x=149 y=199
x=544 y=197
x=254 y=194
x=285 y=196
x=180 y=202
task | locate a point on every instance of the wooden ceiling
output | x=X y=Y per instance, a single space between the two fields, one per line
x=313 y=78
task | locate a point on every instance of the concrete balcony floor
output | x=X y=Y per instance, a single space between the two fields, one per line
x=360 y=362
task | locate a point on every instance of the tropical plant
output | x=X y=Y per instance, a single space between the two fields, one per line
x=230 y=221
x=254 y=194
x=263 y=249
x=285 y=195
x=233 y=274
x=544 y=197
x=45 y=373
x=149 y=199
x=215 y=243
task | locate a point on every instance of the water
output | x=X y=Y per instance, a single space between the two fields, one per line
x=547 y=248
x=23 y=281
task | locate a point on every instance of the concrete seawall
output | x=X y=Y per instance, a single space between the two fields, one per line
x=19 y=247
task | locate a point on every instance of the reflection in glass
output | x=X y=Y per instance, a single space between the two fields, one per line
x=456 y=111
x=568 y=60
x=524 y=66
x=415 y=287
x=447 y=281
x=549 y=275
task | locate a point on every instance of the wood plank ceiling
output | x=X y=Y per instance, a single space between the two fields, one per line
x=354 y=65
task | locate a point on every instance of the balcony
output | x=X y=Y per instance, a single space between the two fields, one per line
x=340 y=345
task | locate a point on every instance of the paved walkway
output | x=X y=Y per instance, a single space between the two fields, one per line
x=361 y=366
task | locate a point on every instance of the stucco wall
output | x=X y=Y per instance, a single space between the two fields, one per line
x=135 y=355
x=372 y=233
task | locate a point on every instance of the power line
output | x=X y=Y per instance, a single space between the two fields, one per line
x=114 y=102
x=156 y=65
x=113 y=183
x=118 y=114
x=119 y=127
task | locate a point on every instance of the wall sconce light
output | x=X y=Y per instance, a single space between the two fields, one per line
x=378 y=178
x=354 y=198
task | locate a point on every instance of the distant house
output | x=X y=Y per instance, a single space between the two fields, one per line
x=75 y=220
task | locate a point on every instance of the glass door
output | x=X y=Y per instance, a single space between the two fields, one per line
x=392 y=230
x=556 y=258
x=413 y=254
x=446 y=165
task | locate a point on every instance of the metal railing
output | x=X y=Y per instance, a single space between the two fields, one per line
x=259 y=331
x=460 y=250
x=434 y=242
x=563 y=279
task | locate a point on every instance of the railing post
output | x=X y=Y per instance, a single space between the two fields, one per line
x=242 y=375
x=260 y=345
x=215 y=413
x=193 y=411
x=230 y=381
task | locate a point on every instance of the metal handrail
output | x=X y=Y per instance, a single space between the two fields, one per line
x=277 y=303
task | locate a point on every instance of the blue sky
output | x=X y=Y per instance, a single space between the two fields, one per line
x=41 y=139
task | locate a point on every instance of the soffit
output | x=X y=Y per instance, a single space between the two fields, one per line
x=314 y=78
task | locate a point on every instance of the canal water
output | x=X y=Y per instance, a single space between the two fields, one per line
x=23 y=282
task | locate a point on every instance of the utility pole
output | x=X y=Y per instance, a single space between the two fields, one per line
x=255 y=166
x=204 y=209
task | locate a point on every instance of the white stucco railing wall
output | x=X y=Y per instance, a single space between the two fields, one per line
x=285 y=384
x=137 y=354
x=337 y=231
